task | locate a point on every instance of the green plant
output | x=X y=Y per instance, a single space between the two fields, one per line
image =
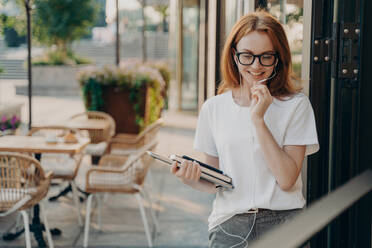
x=59 y=57
x=130 y=77
x=296 y=67
x=58 y=23
x=7 y=122
x=13 y=29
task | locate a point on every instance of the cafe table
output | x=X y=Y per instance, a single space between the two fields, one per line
x=38 y=146
x=98 y=129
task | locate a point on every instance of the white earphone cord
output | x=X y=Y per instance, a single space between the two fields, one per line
x=265 y=79
x=238 y=236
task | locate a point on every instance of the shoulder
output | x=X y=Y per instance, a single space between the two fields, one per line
x=294 y=101
x=217 y=100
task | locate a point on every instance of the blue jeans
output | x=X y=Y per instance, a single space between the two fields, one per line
x=242 y=229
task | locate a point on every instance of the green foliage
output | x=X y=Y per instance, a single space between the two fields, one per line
x=295 y=16
x=13 y=28
x=60 y=22
x=60 y=57
x=296 y=67
x=94 y=90
x=131 y=77
x=17 y=23
x=164 y=12
x=1 y=70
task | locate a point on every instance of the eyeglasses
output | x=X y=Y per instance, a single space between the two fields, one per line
x=265 y=59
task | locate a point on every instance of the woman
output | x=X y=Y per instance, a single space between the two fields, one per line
x=258 y=130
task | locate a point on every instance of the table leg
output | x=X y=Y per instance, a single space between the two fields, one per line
x=95 y=161
x=38 y=227
x=62 y=193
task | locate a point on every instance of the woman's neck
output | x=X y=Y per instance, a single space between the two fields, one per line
x=242 y=95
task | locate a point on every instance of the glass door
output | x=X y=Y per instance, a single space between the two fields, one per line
x=190 y=38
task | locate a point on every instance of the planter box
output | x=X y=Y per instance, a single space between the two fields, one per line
x=117 y=104
x=53 y=81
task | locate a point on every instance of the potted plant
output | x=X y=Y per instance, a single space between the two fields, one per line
x=57 y=23
x=8 y=124
x=132 y=93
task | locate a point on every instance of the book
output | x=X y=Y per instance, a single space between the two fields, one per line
x=209 y=169
x=220 y=179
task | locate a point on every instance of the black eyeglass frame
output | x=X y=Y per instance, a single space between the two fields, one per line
x=259 y=56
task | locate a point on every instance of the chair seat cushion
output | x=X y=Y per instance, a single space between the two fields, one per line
x=60 y=164
x=124 y=181
x=14 y=195
x=96 y=149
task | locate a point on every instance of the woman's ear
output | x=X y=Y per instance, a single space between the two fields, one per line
x=233 y=52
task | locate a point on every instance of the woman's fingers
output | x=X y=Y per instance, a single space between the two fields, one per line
x=174 y=168
x=258 y=95
x=197 y=171
x=187 y=170
x=261 y=92
x=182 y=169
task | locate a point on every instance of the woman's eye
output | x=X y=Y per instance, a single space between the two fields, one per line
x=267 y=57
x=247 y=56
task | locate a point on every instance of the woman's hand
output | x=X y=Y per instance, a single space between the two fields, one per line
x=261 y=100
x=188 y=172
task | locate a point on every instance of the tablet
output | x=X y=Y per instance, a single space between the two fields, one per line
x=162 y=158
x=216 y=178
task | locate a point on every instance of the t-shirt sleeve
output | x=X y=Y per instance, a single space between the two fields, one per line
x=204 y=140
x=302 y=128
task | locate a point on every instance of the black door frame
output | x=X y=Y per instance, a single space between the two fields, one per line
x=339 y=92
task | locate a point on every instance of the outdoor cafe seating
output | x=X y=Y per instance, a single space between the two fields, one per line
x=122 y=170
x=99 y=138
x=63 y=166
x=119 y=174
x=23 y=185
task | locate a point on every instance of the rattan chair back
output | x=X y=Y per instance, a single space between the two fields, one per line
x=97 y=136
x=21 y=175
x=129 y=142
x=120 y=174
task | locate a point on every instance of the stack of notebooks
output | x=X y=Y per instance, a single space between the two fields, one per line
x=208 y=172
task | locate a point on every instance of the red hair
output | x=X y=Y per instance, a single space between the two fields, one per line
x=281 y=85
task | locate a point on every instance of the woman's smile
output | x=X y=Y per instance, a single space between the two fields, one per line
x=256 y=75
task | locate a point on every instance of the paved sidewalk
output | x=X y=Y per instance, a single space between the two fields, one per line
x=182 y=212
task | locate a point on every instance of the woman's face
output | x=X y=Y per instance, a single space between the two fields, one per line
x=255 y=43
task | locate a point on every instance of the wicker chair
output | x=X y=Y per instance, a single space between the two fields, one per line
x=118 y=174
x=63 y=166
x=126 y=144
x=23 y=184
x=99 y=138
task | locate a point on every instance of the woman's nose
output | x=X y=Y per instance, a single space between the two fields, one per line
x=256 y=64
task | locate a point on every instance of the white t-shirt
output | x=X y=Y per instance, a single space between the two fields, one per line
x=225 y=131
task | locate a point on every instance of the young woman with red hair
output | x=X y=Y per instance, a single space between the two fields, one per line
x=258 y=130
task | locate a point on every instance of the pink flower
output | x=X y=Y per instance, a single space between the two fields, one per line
x=14 y=120
x=4 y=118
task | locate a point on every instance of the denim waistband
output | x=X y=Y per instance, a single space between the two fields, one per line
x=264 y=211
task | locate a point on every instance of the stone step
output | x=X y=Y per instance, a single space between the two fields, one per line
x=13 y=69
